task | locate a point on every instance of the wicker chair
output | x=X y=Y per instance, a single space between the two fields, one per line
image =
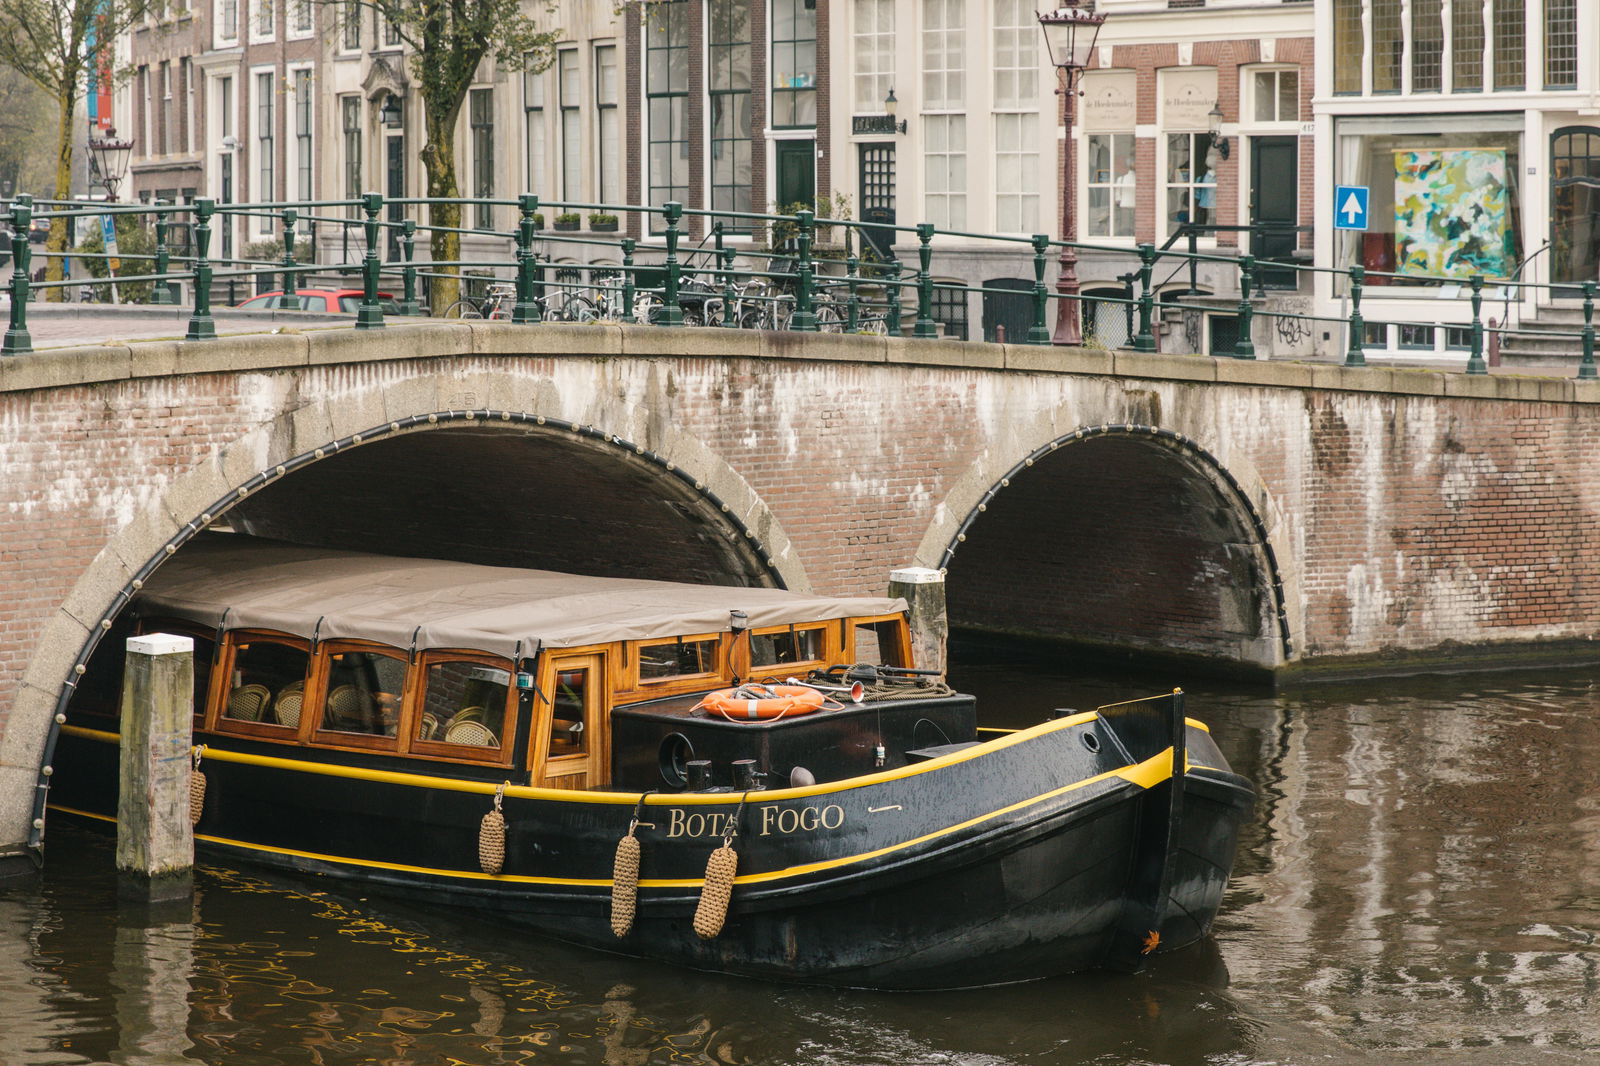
x=246 y=702
x=344 y=710
x=467 y=726
x=286 y=708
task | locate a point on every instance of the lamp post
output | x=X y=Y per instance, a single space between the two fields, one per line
x=111 y=159
x=1069 y=34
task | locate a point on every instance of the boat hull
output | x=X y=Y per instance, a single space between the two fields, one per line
x=1065 y=847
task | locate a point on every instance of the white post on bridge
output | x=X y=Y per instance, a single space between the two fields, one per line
x=155 y=841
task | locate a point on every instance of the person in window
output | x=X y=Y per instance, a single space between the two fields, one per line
x=1125 y=197
x=1205 y=190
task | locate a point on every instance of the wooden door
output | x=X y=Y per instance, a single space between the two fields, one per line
x=569 y=739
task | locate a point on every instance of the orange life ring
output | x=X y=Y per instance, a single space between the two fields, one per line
x=771 y=701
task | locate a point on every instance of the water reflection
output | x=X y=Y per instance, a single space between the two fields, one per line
x=1421 y=886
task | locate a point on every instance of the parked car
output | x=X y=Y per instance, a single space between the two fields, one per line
x=338 y=301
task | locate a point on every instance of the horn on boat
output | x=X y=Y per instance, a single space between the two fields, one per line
x=855 y=690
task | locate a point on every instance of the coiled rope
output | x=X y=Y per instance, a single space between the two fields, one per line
x=712 y=911
x=625 y=876
x=492 y=836
x=197 y=788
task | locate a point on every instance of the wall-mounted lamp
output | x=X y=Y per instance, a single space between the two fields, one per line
x=889 y=106
x=1215 y=126
x=389 y=114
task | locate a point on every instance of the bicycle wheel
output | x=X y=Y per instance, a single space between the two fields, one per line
x=577 y=308
x=462 y=309
x=646 y=308
x=876 y=325
x=828 y=320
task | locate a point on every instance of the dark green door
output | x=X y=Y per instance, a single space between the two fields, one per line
x=1274 y=206
x=797 y=174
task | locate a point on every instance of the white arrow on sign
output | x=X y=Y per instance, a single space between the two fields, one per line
x=1352 y=209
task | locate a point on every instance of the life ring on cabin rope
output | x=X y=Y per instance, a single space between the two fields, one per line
x=755 y=703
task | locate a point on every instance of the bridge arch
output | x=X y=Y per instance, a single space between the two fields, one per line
x=716 y=528
x=1119 y=538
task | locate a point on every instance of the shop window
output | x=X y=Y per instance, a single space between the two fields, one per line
x=1191 y=179
x=1112 y=184
x=785 y=647
x=463 y=704
x=666 y=660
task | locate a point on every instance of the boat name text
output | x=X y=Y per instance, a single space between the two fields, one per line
x=773 y=819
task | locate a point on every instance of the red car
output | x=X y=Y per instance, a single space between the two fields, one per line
x=338 y=301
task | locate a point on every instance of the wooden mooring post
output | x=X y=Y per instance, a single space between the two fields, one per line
x=155 y=841
x=923 y=589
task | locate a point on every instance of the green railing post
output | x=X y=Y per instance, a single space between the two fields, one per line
x=730 y=318
x=1355 y=354
x=370 y=313
x=925 y=327
x=526 y=309
x=1146 y=340
x=202 y=327
x=18 y=340
x=671 y=313
x=804 y=319
x=1586 y=368
x=628 y=245
x=291 y=291
x=852 y=303
x=161 y=291
x=1039 y=332
x=410 y=305
x=891 y=289
x=1245 y=346
x=1475 y=363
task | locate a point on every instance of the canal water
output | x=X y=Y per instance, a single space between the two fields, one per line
x=1422 y=885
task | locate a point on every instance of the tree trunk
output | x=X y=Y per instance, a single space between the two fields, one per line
x=56 y=243
x=444 y=244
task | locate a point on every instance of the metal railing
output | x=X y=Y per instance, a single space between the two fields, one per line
x=791 y=282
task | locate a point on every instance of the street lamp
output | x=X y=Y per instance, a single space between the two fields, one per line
x=111 y=160
x=390 y=114
x=1069 y=34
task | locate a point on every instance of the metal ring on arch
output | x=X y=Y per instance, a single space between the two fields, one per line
x=261 y=479
x=1240 y=499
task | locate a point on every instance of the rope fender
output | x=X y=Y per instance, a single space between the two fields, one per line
x=492 y=835
x=712 y=911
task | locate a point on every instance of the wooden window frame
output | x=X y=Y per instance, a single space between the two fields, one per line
x=222 y=684
x=661 y=686
x=593 y=766
x=903 y=650
x=829 y=651
x=412 y=703
x=312 y=731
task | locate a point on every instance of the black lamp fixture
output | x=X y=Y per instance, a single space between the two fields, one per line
x=1214 y=124
x=111 y=159
x=389 y=114
x=889 y=106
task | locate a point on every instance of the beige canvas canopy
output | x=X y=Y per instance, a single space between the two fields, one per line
x=321 y=593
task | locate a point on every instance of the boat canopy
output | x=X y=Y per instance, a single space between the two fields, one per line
x=241 y=582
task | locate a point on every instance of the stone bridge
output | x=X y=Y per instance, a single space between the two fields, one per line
x=1281 y=518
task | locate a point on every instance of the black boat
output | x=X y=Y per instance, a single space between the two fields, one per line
x=710 y=776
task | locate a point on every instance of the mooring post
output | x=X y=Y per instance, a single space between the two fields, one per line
x=155 y=841
x=923 y=590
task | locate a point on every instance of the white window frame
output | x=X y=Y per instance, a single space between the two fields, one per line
x=292 y=163
x=1122 y=141
x=1019 y=167
x=219 y=23
x=569 y=124
x=257 y=193
x=301 y=20
x=947 y=207
x=872 y=78
x=607 y=130
x=536 y=132
x=1247 y=114
x=258 y=8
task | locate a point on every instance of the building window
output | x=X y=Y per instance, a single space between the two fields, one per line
x=666 y=101
x=480 y=116
x=350 y=123
x=874 y=41
x=1016 y=120
x=794 y=64
x=166 y=127
x=302 y=17
x=730 y=109
x=1277 y=95
x=1349 y=46
x=1509 y=42
x=264 y=17
x=1427 y=46
x=186 y=126
x=228 y=20
x=1388 y=46
x=608 y=135
x=1560 y=44
x=302 y=132
x=1112 y=184
x=534 y=127
x=1191 y=179
x=945 y=170
x=950 y=311
x=350 y=30
x=391 y=33
x=1466 y=45
x=569 y=98
x=264 y=159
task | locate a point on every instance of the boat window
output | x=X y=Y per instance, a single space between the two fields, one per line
x=568 y=706
x=782 y=647
x=264 y=672
x=879 y=643
x=464 y=703
x=677 y=658
x=363 y=692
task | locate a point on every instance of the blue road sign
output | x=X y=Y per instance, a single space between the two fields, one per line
x=1350 y=206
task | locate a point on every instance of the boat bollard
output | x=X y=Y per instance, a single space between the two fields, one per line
x=923 y=589
x=155 y=839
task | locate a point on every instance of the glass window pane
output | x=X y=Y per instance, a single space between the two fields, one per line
x=785 y=647
x=464 y=703
x=688 y=658
x=363 y=693
x=568 y=712
x=264 y=671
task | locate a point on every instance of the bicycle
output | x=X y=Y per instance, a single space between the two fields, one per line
x=558 y=304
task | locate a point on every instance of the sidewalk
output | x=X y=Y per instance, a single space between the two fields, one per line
x=77 y=325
